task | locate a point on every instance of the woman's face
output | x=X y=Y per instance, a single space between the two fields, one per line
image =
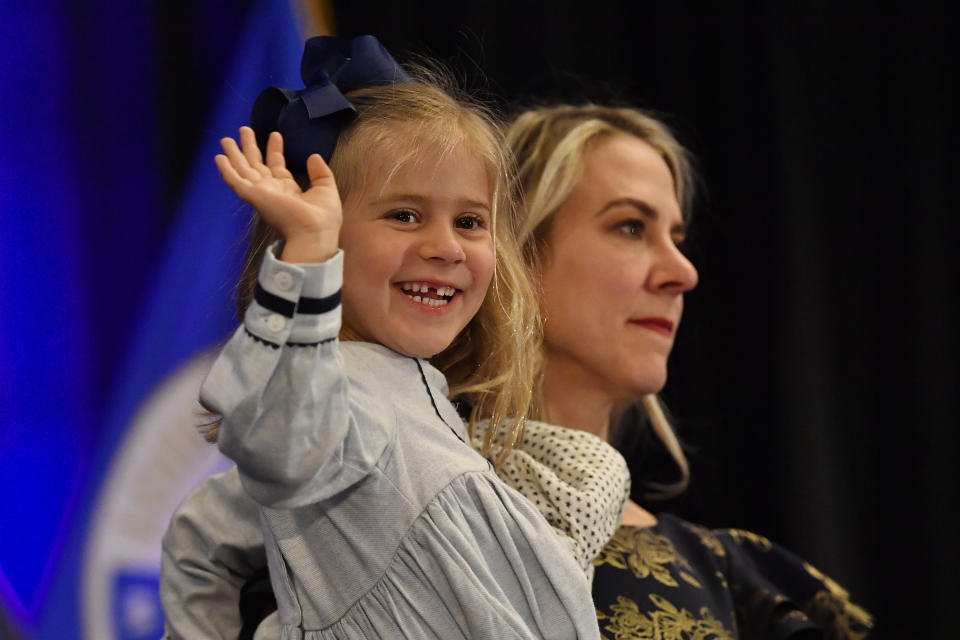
x=613 y=276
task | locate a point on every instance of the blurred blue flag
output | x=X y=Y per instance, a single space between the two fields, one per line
x=148 y=454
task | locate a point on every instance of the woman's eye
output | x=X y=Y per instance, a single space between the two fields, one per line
x=632 y=227
x=470 y=222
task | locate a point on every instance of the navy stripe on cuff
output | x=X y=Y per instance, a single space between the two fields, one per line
x=318 y=305
x=274 y=303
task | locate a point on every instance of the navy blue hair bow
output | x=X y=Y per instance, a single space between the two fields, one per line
x=310 y=119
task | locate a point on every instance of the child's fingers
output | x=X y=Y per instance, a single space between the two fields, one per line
x=229 y=174
x=275 y=160
x=318 y=171
x=237 y=160
x=248 y=143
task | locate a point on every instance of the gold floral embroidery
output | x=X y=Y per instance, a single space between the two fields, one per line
x=689 y=579
x=723 y=579
x=713 y=543
x=667 y=622
x=707 y=537
x=833 y=608
x=739 y=536
x=849 y=621
x=831 y=585
x=646 y=554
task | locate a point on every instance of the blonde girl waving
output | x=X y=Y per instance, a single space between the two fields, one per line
x=388 y=278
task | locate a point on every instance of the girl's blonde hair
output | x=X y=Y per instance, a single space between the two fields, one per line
x=548 y=144
x=492 y=363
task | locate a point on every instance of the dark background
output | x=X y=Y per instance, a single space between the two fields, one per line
x=815 y=376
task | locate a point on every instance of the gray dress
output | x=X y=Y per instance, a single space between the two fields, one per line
x=213 y=546
x=379 y=521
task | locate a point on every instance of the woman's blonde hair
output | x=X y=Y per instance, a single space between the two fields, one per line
x=493 y=362
x=548 y=144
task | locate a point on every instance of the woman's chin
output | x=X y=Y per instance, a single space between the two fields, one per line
x=646 y=381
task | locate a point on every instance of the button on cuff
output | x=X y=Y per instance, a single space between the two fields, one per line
x=283 y=281
x=276 y=323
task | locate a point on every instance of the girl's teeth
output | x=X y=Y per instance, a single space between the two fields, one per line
x=430 y=302
x=417 y=287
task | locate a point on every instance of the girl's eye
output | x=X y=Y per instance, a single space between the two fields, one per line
x=470 y=222
x=632 y=227
x=404 y=215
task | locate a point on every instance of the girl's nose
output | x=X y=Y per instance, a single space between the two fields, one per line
x=441 y=243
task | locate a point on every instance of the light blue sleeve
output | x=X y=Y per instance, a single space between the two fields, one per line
x=279 y=384
x=212 y=547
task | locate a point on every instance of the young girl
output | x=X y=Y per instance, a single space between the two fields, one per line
x=379 y=519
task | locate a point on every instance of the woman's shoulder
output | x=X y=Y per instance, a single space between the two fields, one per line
x=730 y=573
x=774 y=585
x=663 y=576
x=681 y=550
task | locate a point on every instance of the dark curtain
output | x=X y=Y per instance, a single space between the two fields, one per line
x=815 y=377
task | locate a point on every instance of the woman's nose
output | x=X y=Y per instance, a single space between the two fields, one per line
x=672 y=271
x=440 y=242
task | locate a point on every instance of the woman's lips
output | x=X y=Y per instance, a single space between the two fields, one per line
x=659 y=325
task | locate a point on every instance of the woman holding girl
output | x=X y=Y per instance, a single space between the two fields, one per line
x=606 y=198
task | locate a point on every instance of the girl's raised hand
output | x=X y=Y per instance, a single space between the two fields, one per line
x=308 y=220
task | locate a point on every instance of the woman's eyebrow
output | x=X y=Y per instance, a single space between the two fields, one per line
x=644 y=209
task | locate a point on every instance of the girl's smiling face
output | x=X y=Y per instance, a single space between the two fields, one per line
x=418 y=251
x=613 y=276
